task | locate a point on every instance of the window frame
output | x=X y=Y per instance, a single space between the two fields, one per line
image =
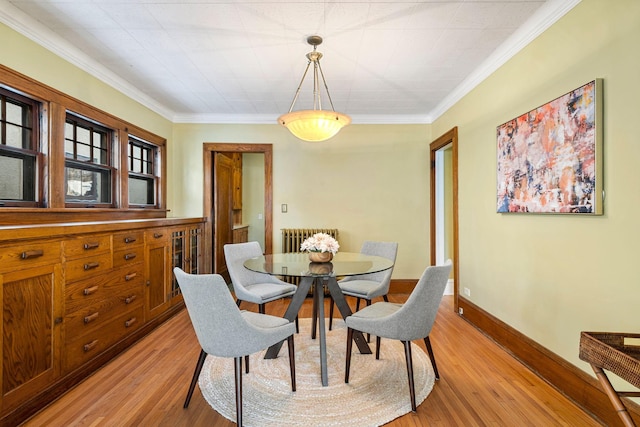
x=33 y=153
x=78 y=121
x=154 y=177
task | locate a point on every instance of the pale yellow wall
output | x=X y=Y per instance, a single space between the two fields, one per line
x=253 y=195
x=370 y=182
x=552 y=276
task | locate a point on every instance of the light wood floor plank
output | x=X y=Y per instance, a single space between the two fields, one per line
x=480 y=385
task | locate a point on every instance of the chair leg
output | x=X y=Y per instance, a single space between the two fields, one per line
x=238 y=373
x=368 y=334
x=261 y=308
x=377 y=348
x=427 y=343
x=357 y=304
x=238 y=303
x=330 y=311
x=297 y=326
x=196 y=375
x=348 y=358
x=292 y=362
x=246 y=364
x=385 y=298
x=412 y=390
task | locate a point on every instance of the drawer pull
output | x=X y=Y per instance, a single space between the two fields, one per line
x=91 y=265
x=130 y=276
x=91 y=290
x=130 y=322
x=91 y=317
x=32 y=254
x=130 y=299
x=90 y=346
x=94 y=245
x=130 y=239
x=158 y=235
x=129 y=256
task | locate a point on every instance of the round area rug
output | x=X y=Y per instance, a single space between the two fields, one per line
x=377 y=393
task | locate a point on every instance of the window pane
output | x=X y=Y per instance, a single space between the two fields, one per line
x=17 y=137
x=83 y=135
x=15 y=114
x=87 y=186
x=68 y=148
x=84 y=152
x=17 y=178
x=141 y=191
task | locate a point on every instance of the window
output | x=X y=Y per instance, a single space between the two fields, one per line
x=18 y=149
x=143 y=174
x=88 y=163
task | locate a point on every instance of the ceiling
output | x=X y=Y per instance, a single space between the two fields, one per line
x=240 y=61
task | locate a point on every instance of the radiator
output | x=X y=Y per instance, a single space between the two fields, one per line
x=292 y=238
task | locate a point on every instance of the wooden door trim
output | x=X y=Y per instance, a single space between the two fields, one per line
x=449 y=137
x=212 y=147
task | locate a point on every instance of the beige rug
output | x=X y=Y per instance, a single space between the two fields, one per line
x=377 y=392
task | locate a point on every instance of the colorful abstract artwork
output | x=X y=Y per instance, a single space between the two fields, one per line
x=550 y=158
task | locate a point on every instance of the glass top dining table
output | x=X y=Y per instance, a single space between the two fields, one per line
x=321 y=275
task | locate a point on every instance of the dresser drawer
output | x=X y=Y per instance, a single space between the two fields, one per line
x=87 y=245
x=87 y=267
x=128 y=256
x=80 y=349
x=23 y=256
x=157 y=235
x=91 y=318
x=126 y=281
x=128 y=240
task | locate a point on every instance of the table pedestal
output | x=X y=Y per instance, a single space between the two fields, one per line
x=340 y=301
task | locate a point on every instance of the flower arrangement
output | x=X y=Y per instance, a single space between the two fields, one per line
x=320 y=242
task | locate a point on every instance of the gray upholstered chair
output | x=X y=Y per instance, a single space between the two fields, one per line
x=372 y=285
x=412 y=320
x=248 y=285
x=225 y=331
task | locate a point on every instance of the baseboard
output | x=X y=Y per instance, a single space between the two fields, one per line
x=402 y=286
x=574 y=383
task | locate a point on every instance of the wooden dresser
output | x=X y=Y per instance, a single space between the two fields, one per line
x=76 y=295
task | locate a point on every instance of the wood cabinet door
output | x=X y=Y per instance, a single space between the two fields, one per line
x=31 y=331
x=157 y=275
x=222 y=206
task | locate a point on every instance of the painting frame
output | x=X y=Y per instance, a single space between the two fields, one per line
x=549 y=159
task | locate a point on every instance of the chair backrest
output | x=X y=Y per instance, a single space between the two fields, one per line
x=235 y=255
x=387 y=250
x=417 y=315
x=220 y=327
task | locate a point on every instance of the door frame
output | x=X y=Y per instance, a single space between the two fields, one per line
x=209 y=150
x=448 y=138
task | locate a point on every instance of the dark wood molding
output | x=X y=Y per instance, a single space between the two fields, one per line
x=583 y=389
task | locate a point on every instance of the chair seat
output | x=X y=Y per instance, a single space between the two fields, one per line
x=270 y=291
x=361 y=289
x=371 y=318
x=264 y=321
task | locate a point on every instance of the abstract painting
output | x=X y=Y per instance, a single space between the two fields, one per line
x=550 y=158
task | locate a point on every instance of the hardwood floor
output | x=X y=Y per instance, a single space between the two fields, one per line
x=480 y=384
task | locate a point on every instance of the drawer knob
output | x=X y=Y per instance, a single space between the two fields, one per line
x=130 y=239
x=89 y=246
x=91 y=317
x=130 y=322
x=129 y=256
x=130 y=299
x=91 y=265
x=130 y=276
x=91 y=290
x=90 y=346
x=32 y=254
x=157 y=235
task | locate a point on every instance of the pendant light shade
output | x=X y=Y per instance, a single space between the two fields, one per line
x=317 y=124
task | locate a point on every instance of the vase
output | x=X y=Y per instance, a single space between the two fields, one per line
x=320 y=256
x=320 y=268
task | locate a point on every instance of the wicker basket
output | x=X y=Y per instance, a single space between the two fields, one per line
x=606 y=350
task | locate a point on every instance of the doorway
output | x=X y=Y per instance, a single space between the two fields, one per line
x=444 y=203
x=210 y=152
